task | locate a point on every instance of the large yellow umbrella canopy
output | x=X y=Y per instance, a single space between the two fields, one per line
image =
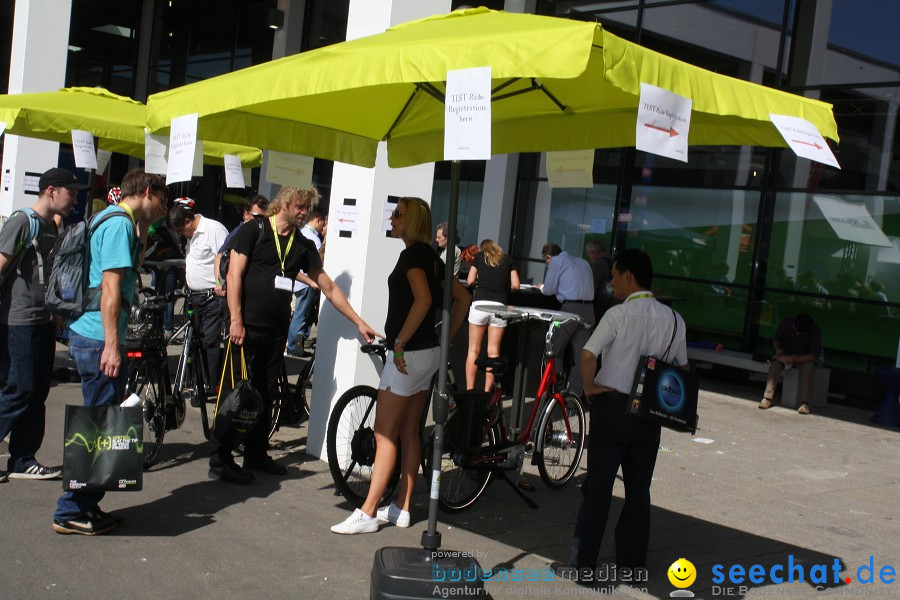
x=558 y=85
x=117 y=121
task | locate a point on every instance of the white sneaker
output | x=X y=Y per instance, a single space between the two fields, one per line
x=358 y=522
x=392 y=514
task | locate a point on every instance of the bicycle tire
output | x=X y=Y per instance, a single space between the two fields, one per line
x=350 y=444
x=559 y=458
x=278 y=400
x=148 y=385
x=460 y=485
x=304 y=385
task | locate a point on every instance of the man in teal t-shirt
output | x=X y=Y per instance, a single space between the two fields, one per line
x=97 y=337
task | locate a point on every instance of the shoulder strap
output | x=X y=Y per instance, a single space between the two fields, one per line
x=674 y=329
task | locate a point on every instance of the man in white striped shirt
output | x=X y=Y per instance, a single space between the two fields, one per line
x=640 y=325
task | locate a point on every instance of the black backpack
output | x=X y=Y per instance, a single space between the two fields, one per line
x=67 y=293
x=226 y=252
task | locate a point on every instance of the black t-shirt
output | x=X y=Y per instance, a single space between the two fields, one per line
x=492 y=283
x=400 y=296
x=266 y=307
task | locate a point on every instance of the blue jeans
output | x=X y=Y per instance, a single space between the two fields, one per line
x=98 y=390
x=26 y=372
x=301 y=322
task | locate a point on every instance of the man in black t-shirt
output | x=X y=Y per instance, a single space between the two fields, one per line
x=266 y=256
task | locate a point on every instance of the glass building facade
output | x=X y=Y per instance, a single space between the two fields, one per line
x=740 y=237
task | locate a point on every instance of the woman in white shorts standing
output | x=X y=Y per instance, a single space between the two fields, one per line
x=415 y=288
x=493 y=276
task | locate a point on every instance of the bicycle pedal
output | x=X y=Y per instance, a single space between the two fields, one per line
x=526 y=486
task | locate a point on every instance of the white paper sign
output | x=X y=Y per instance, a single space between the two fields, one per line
x=598 y=225
x=234 y=174
x=182 y=145
x=390 y=204
x=197 y=166
x=248 y=174
x=83 y=147
x=289 y=169
x=156 y=151
x=663 y=123
x=852 y=222
x=804 y=139
x=571 y=169
x=347 y=217
x=467 y=114
x=103 y=157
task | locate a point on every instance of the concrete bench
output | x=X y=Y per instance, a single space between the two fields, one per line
x=790 y=378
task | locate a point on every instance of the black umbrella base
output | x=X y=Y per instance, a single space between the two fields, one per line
x=412 y=573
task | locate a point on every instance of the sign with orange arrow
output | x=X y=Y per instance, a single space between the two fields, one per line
x=571 y=169
x=663 y=123
x=804 y=139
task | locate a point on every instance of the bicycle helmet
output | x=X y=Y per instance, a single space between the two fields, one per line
x=114 y=196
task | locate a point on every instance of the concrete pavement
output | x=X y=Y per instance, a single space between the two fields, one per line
x=751 y=488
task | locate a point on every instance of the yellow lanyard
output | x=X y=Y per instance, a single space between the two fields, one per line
x=287 y=249
x=637 y=296
x=129 y=212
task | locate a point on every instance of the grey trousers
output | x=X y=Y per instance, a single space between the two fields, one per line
x=807 y=370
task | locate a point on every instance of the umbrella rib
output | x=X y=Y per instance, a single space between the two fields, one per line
x=506 y=83
x=409 y=100
x=535 y=85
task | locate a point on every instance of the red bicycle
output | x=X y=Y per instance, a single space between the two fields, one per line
x=478 y=446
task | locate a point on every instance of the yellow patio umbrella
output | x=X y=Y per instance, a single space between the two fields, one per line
x=557 y=84
x=117 y=121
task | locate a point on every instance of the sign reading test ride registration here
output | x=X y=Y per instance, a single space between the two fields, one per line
x=663 y=122
x=182 y=147
x=467 y=114
x=234 y=175
x=83 y=148
x=804 y=139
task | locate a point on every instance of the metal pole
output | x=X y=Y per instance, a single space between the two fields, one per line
x=431 y=538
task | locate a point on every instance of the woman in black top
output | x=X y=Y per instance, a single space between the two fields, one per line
x=493 y=275
x=414 y=294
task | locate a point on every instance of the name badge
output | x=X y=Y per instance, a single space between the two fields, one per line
x=283 y=283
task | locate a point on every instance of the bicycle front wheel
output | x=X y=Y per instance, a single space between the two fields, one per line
x=462 y=483
x=560 y=451
x=350 y=441
x=148 y=385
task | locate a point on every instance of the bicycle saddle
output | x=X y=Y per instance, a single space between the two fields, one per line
x=495 y=365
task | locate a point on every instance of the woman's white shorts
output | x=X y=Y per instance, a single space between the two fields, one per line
x=421 y=365
x=479 y=317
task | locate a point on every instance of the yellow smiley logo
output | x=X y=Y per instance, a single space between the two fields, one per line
x=682 y=573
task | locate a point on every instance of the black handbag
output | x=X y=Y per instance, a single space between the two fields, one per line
x=103 y=449
x=665 y=393
x=238 y=407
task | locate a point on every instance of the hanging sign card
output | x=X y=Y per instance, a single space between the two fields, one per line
x=234 y=174
x=284 y=168
x=197 y=166
x=103 y=157
x=467 y=114
x=347 y=216
x=663 y=123
x=571 y=169
x=182 y=145
x=83 y=147
x=156 y=149
x=804 y=139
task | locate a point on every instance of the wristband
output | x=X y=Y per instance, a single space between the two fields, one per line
x=398 y=354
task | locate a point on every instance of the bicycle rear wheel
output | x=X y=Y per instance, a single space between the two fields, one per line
x=350 y=442
x=560 y=455
x=148 y=385
x=461 y=483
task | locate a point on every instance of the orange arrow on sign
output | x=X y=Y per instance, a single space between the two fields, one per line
x=814 y=144
x=671 y=131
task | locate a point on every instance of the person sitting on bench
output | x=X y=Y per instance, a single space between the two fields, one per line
x=797 y=343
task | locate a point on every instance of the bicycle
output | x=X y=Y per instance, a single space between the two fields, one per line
x=478 y=446
x=350 y=438
x=289 y=405
x=164 y=400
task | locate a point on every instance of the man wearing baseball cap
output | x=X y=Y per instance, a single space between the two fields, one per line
x=26 y=324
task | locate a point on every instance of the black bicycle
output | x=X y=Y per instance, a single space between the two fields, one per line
x=164 y=400
x=289 y=405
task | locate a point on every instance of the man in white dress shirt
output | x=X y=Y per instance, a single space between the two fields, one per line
x=205 y=236
x=639 y=326
x=571 y=280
